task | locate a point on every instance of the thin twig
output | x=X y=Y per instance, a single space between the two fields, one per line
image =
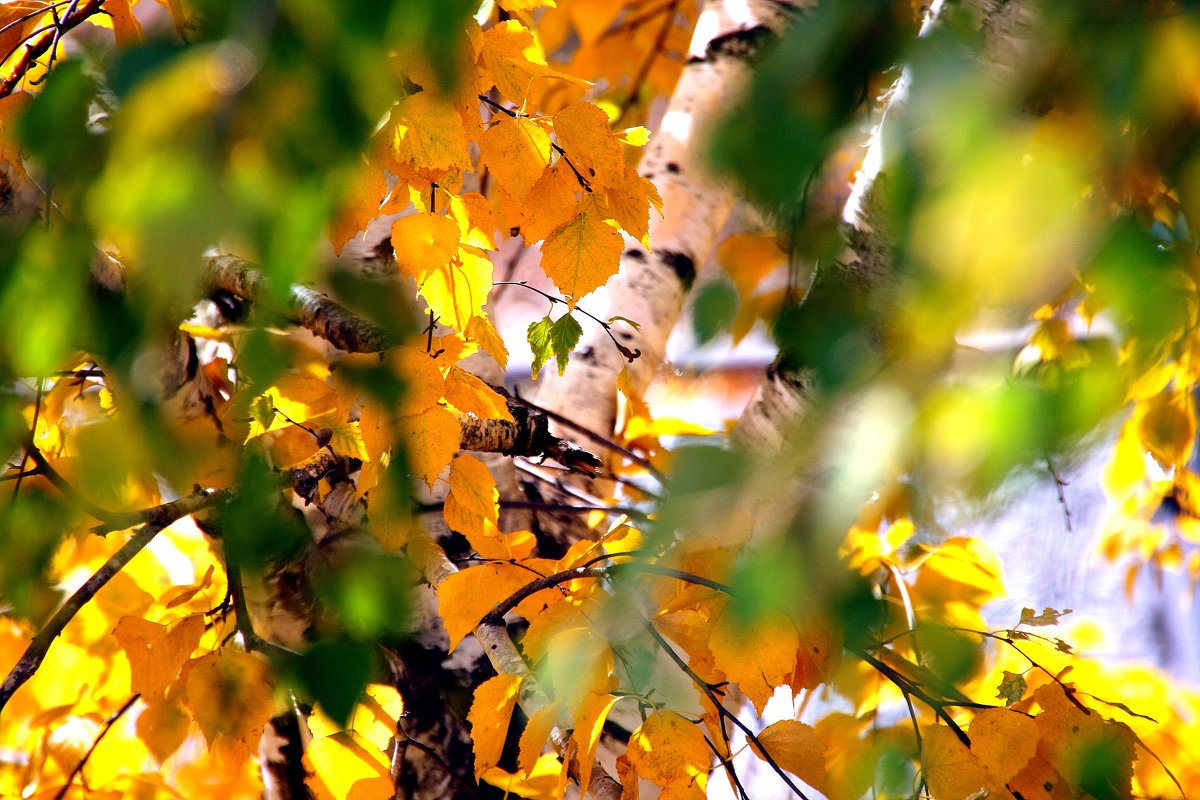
x=709 y=692
x=1060 y=485
x=37 y=410
x=630 y=355
x=78 y=768
x=529 y=505
x=583 y=182
x=656 y=49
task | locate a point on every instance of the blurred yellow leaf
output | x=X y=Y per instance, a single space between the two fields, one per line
x=423 y=243
x=670 y=751
x=431 y=439
x=229 y=694
x=1167 y=427
x=346 y=767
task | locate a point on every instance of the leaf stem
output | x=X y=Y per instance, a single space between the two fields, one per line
x=630 y=355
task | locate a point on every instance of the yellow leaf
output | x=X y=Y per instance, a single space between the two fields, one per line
x=517 y=151
x=343 y=765
x=578 y=663
x=757 y=656
x=636 y=136
x=540 y=783
x=588 y=720
x=119 y=16
x=373 y=719
x=1168 y=427
x=163 y=726
x=476 y=221
x=950 y=770
x=430 y=134
x=629 y=198
x=457 y=291
x=423 y=382
x=670 y=751
x=525 y=5
x=465 y=597
x=157 y=653
x=1004 y=741
x=556 y=203
x=468 y=393
x=748 y=258
x=481 y=330
x=583 y=254
x=229 y=696
x=423 y=243
x=431 y=439
x=513 y=60
x=583 y=132
x=961 y=568
x=489 y=716
x=295 y=398
x=1082 y=746
x=795 y=747
x=533 y=738
x=473 y=498
x=360 y=207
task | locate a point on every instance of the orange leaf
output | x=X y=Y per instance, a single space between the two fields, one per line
x=468 y=393
x=489 y=716
x=473 y=498
x=533 y=738
x=582 y=130
x=757 y=656
x=155 y=652
x=670 y=751
x=229 y=696
x=583 y=254
x=463 y=598
x=588 y=720
x=430 y=134
x=423 y=242
x=163 y=726
x=1004 y=741
x=431 y=439
x=950 y=770
x=556 y=204
x=517 y=151
x=360 y=207
x=795 y=747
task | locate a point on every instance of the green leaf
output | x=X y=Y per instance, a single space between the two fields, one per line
x=539 y=343
x=557 y=338
x=564 y=335
x=714 y=309
x=1011 y=689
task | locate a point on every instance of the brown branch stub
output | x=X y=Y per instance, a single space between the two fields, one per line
x=311 y=309
x=527 y=435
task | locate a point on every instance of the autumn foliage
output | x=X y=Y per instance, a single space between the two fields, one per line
x=252 y=395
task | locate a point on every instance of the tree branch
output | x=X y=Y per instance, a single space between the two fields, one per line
x=313 y=310
x=163 y=516
x=37 y=45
